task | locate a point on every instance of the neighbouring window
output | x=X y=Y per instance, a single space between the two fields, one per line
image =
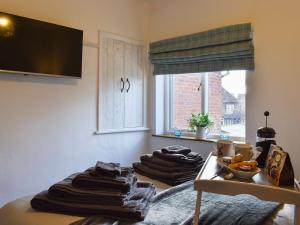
x=221 y=94
x=229 y=108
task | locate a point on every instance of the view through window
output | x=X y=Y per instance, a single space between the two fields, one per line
x=221 y=94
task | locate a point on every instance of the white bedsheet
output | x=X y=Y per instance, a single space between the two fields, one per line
x=19 y=212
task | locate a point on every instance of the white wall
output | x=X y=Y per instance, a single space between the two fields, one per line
x=274 y=84
x=47 y=124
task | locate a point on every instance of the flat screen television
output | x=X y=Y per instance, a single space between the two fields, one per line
x=29 y=46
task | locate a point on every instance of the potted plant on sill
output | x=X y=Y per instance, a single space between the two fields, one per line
x=200 y=121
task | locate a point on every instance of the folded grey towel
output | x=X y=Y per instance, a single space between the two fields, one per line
x=190 y=158
x=92 y=180
x=176 y=149
x=165 y=175
x=137 y=211
x=108 y=169
x=64 y=191
x=166 y=166
x=176 y=170
x=171 y=182
x=159 y=161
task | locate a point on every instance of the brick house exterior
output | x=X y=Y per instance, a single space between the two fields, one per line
x=233 y=108
x=215 y=108
x=224 y=108
x=187 y=99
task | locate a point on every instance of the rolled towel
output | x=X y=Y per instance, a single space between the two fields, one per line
x=42 y=202
x=176 y=149
x=108 y=169
x=92 y=180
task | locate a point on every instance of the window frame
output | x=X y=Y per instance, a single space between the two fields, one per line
x=229 y=108
x=168 y=111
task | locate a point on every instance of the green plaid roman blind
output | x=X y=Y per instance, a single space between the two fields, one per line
x=226 y=48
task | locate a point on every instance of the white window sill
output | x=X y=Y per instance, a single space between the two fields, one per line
x=191 y=138
x=183 y=137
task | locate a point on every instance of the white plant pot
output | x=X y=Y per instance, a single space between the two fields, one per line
x=200 y=133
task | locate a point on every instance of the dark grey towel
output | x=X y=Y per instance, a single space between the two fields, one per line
x=163 y=177
x=108 y=169
x=162 y=162
x=158 y=164
x=125 y=173
x=170 y=182
x=138 y=211
x=92 y=180
x=176 y=149
x=176 y=206
x=191 y=158
x=162 y=174
x=64 y=191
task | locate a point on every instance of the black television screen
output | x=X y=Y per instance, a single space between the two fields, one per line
x=30 y=46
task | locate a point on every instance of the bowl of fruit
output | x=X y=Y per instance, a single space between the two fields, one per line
x=241 y=169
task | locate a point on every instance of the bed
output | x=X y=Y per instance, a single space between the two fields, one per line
x=19 y=212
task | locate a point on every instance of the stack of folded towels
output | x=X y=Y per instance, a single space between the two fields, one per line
x=106 y=189
x=172 y=165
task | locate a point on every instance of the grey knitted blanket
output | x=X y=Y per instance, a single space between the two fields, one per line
x=176 y=205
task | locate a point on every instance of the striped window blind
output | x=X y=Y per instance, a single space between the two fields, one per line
x=226 y=48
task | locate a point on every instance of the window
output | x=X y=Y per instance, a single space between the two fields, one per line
x=220 y=94
x=229 y=108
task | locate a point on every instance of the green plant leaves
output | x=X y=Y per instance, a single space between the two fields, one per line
x=200 y=120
